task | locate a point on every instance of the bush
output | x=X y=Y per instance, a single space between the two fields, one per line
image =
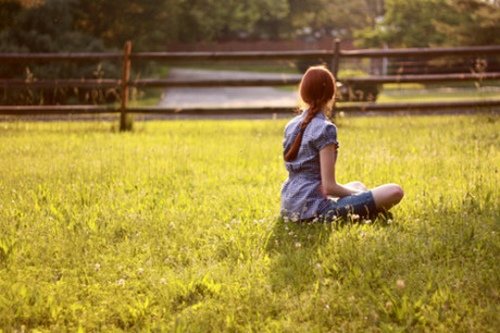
x=49 y=28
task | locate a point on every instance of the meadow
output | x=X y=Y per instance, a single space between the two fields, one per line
x=175 y=227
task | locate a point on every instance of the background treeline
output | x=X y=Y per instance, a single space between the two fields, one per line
x=54 y=25
x=47 y=25
x=98 y=25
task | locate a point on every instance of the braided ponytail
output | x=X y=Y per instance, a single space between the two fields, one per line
x=317 y=88
x=291 y=153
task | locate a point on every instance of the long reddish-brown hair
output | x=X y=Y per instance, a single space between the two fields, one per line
x=317 y=89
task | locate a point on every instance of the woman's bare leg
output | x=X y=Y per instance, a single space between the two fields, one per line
x=387 y=196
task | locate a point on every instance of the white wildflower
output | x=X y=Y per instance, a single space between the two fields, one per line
x=400 y=284
x=140 y=271
x=121 y=282
x=298 y=245
x=97 y=267
x=163 y=281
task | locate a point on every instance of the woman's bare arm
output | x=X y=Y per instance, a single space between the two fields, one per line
x=329 y=185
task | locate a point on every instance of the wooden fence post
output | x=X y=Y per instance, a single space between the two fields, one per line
x=336 y=57
x=127 y=50
x=335 y=70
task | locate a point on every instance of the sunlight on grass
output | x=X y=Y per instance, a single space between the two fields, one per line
x=450 y=94
x=174 y=227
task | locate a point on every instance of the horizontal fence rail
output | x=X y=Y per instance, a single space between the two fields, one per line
x=421 y=106
x=233 y=56
x=331 y=57
x=250 y=55
x=421 y=52
x=46 y=57
x=346 y=107
x=266 y=82
x=56 y=109
x=285 y=55
x=63 y=83
x=217 y=83
x=425 y=78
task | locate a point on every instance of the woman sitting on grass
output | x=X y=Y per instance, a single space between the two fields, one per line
x=310 y=152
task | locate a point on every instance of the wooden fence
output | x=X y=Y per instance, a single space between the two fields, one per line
x=332 y=57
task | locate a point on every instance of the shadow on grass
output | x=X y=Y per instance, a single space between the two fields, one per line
x=294 y=249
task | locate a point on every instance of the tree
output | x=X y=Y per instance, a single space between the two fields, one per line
x=475 y=23
x=149 y=23
x=45 y=28
x=8 y=11
x=424 y=23
x=334 y=17
x=48 y=27
x=408 y=23
x=214 y=19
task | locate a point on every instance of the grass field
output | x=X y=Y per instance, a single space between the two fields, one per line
x=395 y=95
x=175 y=227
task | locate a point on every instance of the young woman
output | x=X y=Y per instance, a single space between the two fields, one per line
x=310 y=152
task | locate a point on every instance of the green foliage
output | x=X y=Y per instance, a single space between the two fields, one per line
x=45 y=28
x=8 y=12
x=50 y=28
x=212 y=19
x=153 y=24
x=174 y=227
x=427 y=23
x=149 y=24
x=342 y=16
x=409 y=24
x=471 y=22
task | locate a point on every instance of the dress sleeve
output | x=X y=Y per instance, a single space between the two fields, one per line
x=327 y=137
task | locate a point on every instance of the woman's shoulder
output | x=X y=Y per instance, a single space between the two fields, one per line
x=295 y=121
x=323 y=123
x=324 y=132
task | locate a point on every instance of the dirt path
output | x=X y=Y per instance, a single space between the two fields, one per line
x=226 y=97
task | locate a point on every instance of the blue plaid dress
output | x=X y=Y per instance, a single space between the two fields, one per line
x=301 y=197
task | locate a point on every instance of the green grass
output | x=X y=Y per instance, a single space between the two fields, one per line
x=174 y=227
x=410 y=94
